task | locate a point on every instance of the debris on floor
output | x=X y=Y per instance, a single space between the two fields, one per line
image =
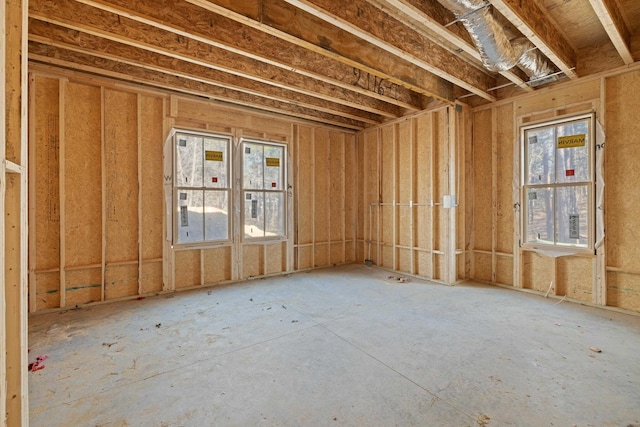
x=108 y=344
x=397 y=279
x=38 y=364
x=483 y=420
x=595 y=349
x=158 y=325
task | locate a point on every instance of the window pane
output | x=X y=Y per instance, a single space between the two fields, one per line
x=273 y=176
x=253 y=214
x=539 y=215
x=274 y=214
x=188 y=161
x=216 y=162
x=541 y=146
x=252 y=174
x=190 y=216
x=573 y=152
x=216 y=215
x=572 y=215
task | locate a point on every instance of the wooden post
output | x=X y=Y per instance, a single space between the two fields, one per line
x=494 y=194
x=13 y=213
x=450 y=253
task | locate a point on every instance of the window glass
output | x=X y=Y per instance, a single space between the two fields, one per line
x=558 y=184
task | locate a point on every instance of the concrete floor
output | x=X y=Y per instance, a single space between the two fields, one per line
x=333 y=347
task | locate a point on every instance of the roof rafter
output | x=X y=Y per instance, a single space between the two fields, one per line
x=613 y=23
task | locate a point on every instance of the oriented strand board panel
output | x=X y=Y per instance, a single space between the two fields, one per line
x=336 y=253
x=336 y=186
x=121 y=281
x=537 y=271
x=482 y=182
x=217 y=264
x=370 y=191
x=151 y=277
x=321 y=254
x=350 y=189
x=623 y=291
x=252 y=261
x=83 y=176
x=504 y=270
x=83 y=286
x=46 y=164
x=424 y=264
x=621 y=171
x=321 y=186
x=305 y=181
x=574 y=277
x=276 y=258
x=505 y=141
x=187 y=265
x=151 y=140
x=363 y=210
x=482 y=262
x=121 y=177
x=305 y=257
x=47 y=290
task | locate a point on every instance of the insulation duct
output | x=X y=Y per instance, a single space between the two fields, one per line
x=498 y=53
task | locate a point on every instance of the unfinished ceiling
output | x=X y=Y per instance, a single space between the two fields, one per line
x=350 y=64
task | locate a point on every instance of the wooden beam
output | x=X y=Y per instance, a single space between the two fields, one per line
x=105 y=67
x=431 y=17
x=186 y=20
x=613 y=23
x=364 y=21
x=383 y=72
x=13 y=213
x=53 y=35
x=123 y=30
x=534 y=23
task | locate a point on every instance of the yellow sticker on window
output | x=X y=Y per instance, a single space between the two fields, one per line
x=273 y=161
x=572 y=141
x=214 y=156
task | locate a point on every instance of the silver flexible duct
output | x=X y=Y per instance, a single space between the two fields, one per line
x=498 y=53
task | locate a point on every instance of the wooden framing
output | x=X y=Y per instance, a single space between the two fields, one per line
x=14 y=283
x=532 y=21
x=613 y=23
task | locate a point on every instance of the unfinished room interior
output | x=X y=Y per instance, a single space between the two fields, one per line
x=320 y=213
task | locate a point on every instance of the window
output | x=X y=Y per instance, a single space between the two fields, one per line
x=558 y=184
x=263 y=189
x=202 y=188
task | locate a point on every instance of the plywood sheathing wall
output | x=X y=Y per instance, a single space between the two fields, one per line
x=325 y=197
x=97 y=214
x=497 y=257
x=405 y=170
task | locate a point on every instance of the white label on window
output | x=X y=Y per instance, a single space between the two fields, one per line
x=254 y=209
x=574 y=226
x=184 y=216
x=533 y=139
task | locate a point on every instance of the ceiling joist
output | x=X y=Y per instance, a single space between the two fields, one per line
x=614 y=25
x=534 y=24
x=376 y=27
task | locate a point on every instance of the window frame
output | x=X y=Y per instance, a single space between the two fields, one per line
x=228 y=189
x=284 y=191
x=589 y=184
